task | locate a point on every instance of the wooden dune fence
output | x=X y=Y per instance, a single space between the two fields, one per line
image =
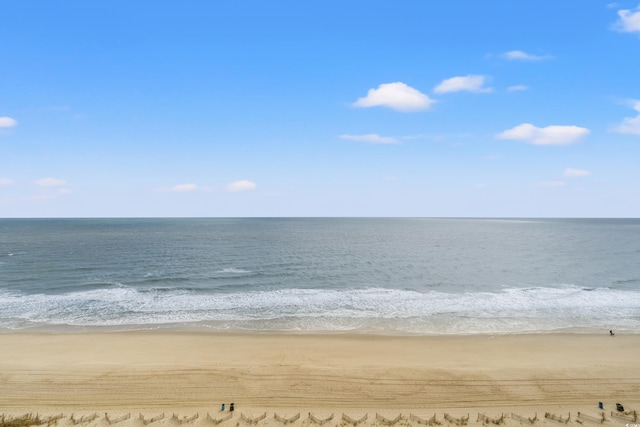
x=487 y=420
x=586 y=417
x=386 y=421
x=319 y=421
x=558 y=418
x=522 y=419
x=462 y=421
x=152 y=419
x=426 y=421
x=219 y=420
x=255 y=420
x=53 y=420
x=20 y=421
x=346 y=418
x=116 y=420
x=627 y=416
x=29 y=420
x=83 y=419
x=185 y=419
x=284 y=420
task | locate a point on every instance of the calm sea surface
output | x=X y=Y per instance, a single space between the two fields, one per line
x=415 y=276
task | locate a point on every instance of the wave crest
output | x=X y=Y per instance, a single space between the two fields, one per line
x=510 y=310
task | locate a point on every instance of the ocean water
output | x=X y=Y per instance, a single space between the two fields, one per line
x=385 y=276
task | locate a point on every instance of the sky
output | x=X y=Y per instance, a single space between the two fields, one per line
x=249 y=108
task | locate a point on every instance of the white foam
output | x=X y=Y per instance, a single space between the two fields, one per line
x=377 y=309
x=233 y=271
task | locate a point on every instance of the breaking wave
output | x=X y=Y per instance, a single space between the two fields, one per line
x=510 y=310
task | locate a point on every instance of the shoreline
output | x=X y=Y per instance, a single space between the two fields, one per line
x=179 y=328
x=196 y=371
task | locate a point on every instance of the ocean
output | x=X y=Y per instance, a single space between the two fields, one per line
x=419 y=276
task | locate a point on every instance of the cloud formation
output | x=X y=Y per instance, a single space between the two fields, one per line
x=518 y=55
x=182 y=188
x=7 y=122
x=50 y=182
x=550 y=135
x=630 y=124
x=629 y=21
x=242 y=185
x=517 y=88
x=6 y=181
x=469 y=83
x=398 y=96
x=49 y=195
x=372 y=138
x=575 y=173
x=552 y=184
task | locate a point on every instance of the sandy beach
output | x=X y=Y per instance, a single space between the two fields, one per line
x=189 y=373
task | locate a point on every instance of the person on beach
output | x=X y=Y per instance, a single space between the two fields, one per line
x=611 y=333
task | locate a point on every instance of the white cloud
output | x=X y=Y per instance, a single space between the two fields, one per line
x=552 y=184
x=372 y=138
x=180 y=188
x=7 y=122
x=50 y=182
x=518 y=55
x=242 y=185
x=470 y=83
x=575 y=173
x=629 y=21
x=480 y=185
x=51 y=193
x=40 y=198
x=550 y=135
x=397 y=96
x=517 y=88
x=630 y=124
x=6 y=181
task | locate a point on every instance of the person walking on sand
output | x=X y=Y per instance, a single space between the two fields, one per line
x=611 y=333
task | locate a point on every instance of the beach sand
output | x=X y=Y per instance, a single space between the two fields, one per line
x=190 y=373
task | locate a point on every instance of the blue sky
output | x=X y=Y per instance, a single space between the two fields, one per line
x=320 y=108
